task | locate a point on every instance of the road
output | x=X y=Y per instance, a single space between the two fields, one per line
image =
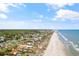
x=55 y=47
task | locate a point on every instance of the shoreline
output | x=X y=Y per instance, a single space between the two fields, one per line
x=55 y=47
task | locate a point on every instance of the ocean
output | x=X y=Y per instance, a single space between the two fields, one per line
x=70 y=38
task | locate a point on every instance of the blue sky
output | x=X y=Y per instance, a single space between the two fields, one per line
x=39 y=16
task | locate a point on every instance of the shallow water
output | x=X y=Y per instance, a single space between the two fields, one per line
x=71 y=41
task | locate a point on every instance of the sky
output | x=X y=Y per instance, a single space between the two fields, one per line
x=39 y=16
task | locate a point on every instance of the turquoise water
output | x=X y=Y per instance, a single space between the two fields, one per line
x=72 y=42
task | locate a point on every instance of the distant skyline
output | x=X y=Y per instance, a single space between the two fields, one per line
x=39 y=16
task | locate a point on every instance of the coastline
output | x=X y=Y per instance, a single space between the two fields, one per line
x=55 y=47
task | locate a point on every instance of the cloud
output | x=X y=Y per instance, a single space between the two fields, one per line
x=3 y=16
x=57 y=4
x=13 y=24
x=4 y=24
x=67 y=14
x=60 y=5
x=4 y=8
x=39 y=1
x=41 y=16
x=37 y=20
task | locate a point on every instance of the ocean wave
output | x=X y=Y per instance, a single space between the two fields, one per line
x=63 y=36
x=75 y=46
x=69 y=43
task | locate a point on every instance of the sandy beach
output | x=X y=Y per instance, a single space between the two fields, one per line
x=55 y=47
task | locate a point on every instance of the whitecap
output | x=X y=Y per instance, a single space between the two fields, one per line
x=75 y=46
x=63 y=36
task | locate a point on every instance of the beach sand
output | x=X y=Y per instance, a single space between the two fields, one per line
x=55 y=47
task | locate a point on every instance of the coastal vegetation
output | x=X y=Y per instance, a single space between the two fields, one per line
x=24 y=42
